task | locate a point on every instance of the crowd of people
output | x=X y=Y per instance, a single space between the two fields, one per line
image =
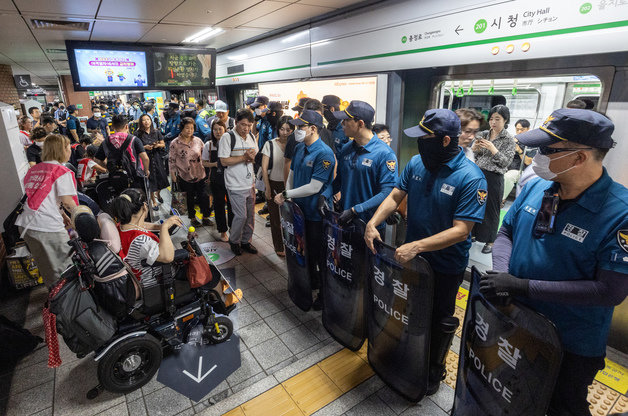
x=559 y=247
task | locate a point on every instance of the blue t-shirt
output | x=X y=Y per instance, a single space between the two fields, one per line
x=172 y=130
x=266 y=132
x=339 y=137
x=202 y=128
x=72 y=123
x=139 y=82
x=95 y=124
x=366 y=175
x=590 y=234
x=315 y=161
x=457 y=191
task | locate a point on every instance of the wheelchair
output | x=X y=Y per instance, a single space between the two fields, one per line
x=151 y=320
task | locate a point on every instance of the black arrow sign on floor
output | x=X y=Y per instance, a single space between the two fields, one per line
x=458 y=29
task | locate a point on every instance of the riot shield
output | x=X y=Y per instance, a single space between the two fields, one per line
x=399 y=320
x=345 y=280
x=509 y=358
x=293 y=227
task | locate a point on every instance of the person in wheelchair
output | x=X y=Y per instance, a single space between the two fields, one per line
x=141 y=248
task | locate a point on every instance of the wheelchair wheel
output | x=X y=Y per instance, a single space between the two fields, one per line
x=225 y=326
x=130 y=364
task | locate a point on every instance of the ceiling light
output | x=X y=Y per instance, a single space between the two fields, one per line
x=203 y=34
x=237 y=57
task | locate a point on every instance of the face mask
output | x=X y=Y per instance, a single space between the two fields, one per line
x=40 y=144
x=540 y=166
x=434 y=154
x=299 y=135
x=136 y=106
x=258 y=111
x=62 y=108
x=97 y=115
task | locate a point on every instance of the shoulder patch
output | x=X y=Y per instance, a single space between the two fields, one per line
x=622 y=239
x=482 y=194
x=391 y=165
x=326 y=164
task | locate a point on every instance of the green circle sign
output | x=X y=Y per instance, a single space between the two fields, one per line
x=480 y=26
x=404 y=39
x=213 y=256
x=586 y=8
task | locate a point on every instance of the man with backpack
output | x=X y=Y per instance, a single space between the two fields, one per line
x=122 y=151
x=75 y=130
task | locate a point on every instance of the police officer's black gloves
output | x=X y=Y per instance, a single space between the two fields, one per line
x=323 y=206
x=347 y=216
x=394 y=218
x=502 y=284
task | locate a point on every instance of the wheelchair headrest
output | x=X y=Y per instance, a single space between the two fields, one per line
x=85 y=224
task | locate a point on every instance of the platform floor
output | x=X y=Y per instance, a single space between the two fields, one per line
x=290 y=365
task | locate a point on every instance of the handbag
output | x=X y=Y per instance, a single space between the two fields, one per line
x=199 y=273
x=179 y=200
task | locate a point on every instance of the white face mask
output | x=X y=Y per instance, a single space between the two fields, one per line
x=97 y=115
x=39 y=143
x=540 y=166
x=299 y=135
x=258 y=111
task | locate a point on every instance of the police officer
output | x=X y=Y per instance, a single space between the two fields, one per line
x=311 y=175
x=202 y=126
x=173 y=122
x=569 y=263
x=331 y=104
x=367 y=167
x=446 y=197
x=267 y=125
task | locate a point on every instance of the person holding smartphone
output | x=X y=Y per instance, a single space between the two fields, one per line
x=563 y=246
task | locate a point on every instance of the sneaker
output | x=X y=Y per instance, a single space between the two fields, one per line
x=207 y=222
x=195 y=223
x=267 y=223
x=487 y=249
x=249 y=248
x=237 y=250
x=263 y=211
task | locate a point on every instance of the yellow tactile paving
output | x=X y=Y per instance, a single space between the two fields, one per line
x=601 y=399
x=311 y=389
x=235 y=412
x=459 y=313
x=452 y=369
x=363 y=352
x=614 y=376
x=346 y=369
x=621 y=405
x=275 y=401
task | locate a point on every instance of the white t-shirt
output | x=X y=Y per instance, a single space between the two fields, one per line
x=48 y=217
x=89 y=169
x=238 y=177
x=276 y=173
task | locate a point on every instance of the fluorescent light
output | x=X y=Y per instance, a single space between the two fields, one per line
x=237 y=57
x=203 y=34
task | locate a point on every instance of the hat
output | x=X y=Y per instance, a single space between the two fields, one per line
x=439 y=121
x=572 y=124
x=261 y=100
x=357 y=109
x=308 y=117
x=71 y=108
x=221 y=106
x=331 y=101
x=275 y=106
x=173 y=105
x=249 y=101
x=301 y=104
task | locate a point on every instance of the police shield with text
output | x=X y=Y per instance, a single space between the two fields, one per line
x=562 y=249
x=293 y=226
x=446 y=197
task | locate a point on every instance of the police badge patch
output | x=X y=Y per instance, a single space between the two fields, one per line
x=622 y=239
x=482 y=194
x=391 y=165
x=326 y=164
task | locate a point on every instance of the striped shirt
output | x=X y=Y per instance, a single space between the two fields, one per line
x=144 y=248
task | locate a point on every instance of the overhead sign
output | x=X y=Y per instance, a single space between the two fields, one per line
x=195 y=370
x=181 y=68
x=22 y=81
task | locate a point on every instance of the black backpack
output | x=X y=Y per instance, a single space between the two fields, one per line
x=79 y=129
x=233 y=144
x=11 y=234
x=119 y=160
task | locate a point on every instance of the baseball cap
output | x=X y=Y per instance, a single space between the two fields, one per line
x=261 y=100
x=576 y=125
x=331 y=101
x=275 y=106
x=439 y=121
x=356 y=109
x=173 y=105
x=308 y=117
x=221 y=106
x=249 y=101
x=301 y=104
x=71 y=108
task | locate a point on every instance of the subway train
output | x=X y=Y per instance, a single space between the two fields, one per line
x=403 y=57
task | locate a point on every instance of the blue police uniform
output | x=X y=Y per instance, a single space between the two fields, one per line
x=315 y=161
x=588 y=237
x=172 y=129
x=202 y=128
x=339 y=136
x=135 y=113
x=266 y=132
x=457 y=191
x=366 y=175
x=97 y=124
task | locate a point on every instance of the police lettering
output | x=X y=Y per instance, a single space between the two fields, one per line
x=337 y=270
x=389 y=311
x=497 y=385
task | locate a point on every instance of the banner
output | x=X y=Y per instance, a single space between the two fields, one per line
x=399 y=321
x=509 y=359
x=345 y=279
x=293 y=227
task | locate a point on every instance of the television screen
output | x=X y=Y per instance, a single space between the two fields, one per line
x=183 y=68
x=114 y=69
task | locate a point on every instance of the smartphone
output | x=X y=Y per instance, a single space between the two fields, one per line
x=546 y=217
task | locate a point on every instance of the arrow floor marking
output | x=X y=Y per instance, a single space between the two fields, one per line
x=198 y=378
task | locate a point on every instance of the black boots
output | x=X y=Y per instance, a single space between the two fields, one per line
x=439 y=347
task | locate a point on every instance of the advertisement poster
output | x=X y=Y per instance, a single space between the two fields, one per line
x=348 y=89
x=103 y=68
x=179 y=69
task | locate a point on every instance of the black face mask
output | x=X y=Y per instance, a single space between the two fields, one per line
x=434 y=154
x=329 y=116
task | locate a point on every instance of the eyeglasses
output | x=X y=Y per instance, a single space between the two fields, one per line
x=544 y=150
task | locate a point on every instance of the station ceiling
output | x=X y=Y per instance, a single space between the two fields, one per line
x=39 y=49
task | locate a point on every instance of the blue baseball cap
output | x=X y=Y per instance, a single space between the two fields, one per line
x=439 y=121
x=249 y=101
x=576 y=125
x=308 y=117
x=261 y=100
x=356 y=109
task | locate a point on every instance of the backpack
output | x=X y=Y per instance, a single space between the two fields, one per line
x=233 y=144
x=16 y=342
x=119 y=160
x=11 y=234
x=79 y=129
x=73 y=157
